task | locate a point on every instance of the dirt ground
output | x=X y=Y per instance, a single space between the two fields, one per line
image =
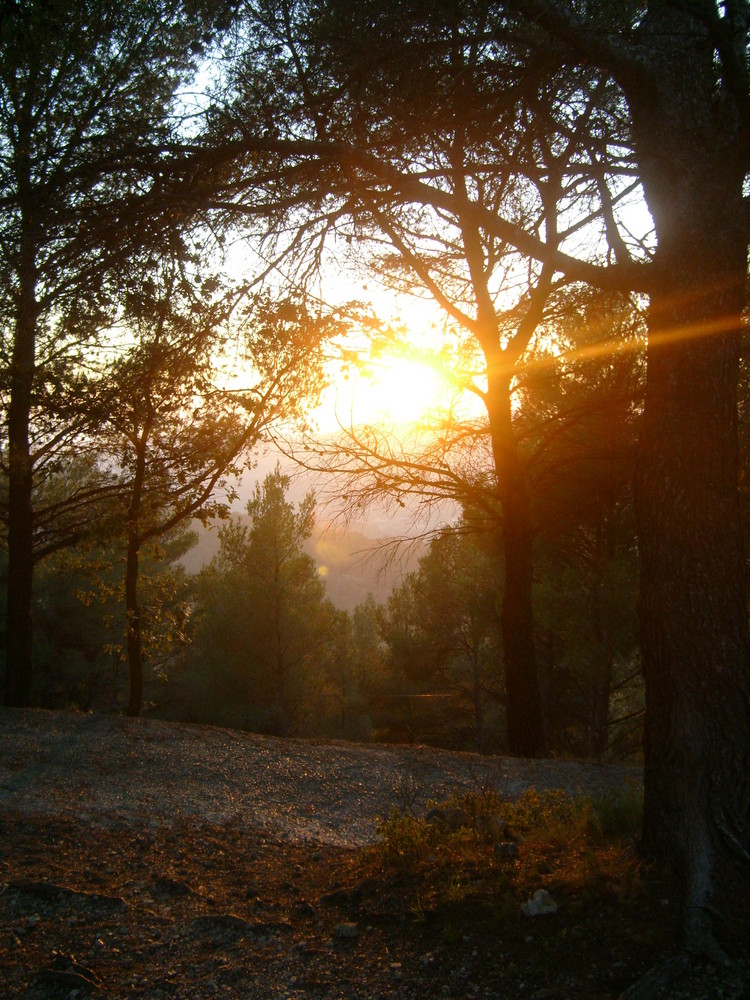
x=107 y=889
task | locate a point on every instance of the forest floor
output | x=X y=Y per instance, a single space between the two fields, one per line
x=145 y=859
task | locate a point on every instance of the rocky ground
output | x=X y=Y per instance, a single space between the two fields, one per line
x=141 y=859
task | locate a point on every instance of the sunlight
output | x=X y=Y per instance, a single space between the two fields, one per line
x=389 y=388
x=401 y=389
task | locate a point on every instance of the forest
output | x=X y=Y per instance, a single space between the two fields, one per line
x=215 y=215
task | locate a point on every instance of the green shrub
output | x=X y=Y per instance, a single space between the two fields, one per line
x=405 y=840
x=618 y=814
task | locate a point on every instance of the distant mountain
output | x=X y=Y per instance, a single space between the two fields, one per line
x=370 y=559
x=350 y=563
x=354 y=565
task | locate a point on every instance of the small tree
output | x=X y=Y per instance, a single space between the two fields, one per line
x=263 y=621
x=442 y=625
x=178 y=433
x=80 y=622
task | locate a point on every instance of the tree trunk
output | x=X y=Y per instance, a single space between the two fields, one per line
x=600 y=683
x=599 y=693
x=477 y=700
x=523 y=712
x=132 y=607
x=693 y=608
x=522 y=701
x=18 y=673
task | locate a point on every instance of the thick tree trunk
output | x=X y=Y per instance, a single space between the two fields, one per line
x=693 y=610
x=522 y=701
x=18 y=674
x=693 y=602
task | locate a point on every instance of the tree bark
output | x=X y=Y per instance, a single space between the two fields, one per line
x=693 y=610
x=18 y=674
x=693 y=602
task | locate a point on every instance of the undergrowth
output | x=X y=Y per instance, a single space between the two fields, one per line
x=465 y=887
x=454 y=884
x=406 y=838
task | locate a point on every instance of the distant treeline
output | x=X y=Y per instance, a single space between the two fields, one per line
x=252 y=641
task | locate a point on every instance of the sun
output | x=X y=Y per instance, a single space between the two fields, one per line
x=388 y=389
x=401 y=389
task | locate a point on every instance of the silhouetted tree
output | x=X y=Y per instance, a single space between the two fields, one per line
x=442 y=626
x=178 y=430
x=87 y=109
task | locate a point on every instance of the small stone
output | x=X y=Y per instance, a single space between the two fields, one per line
x=540 y=904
